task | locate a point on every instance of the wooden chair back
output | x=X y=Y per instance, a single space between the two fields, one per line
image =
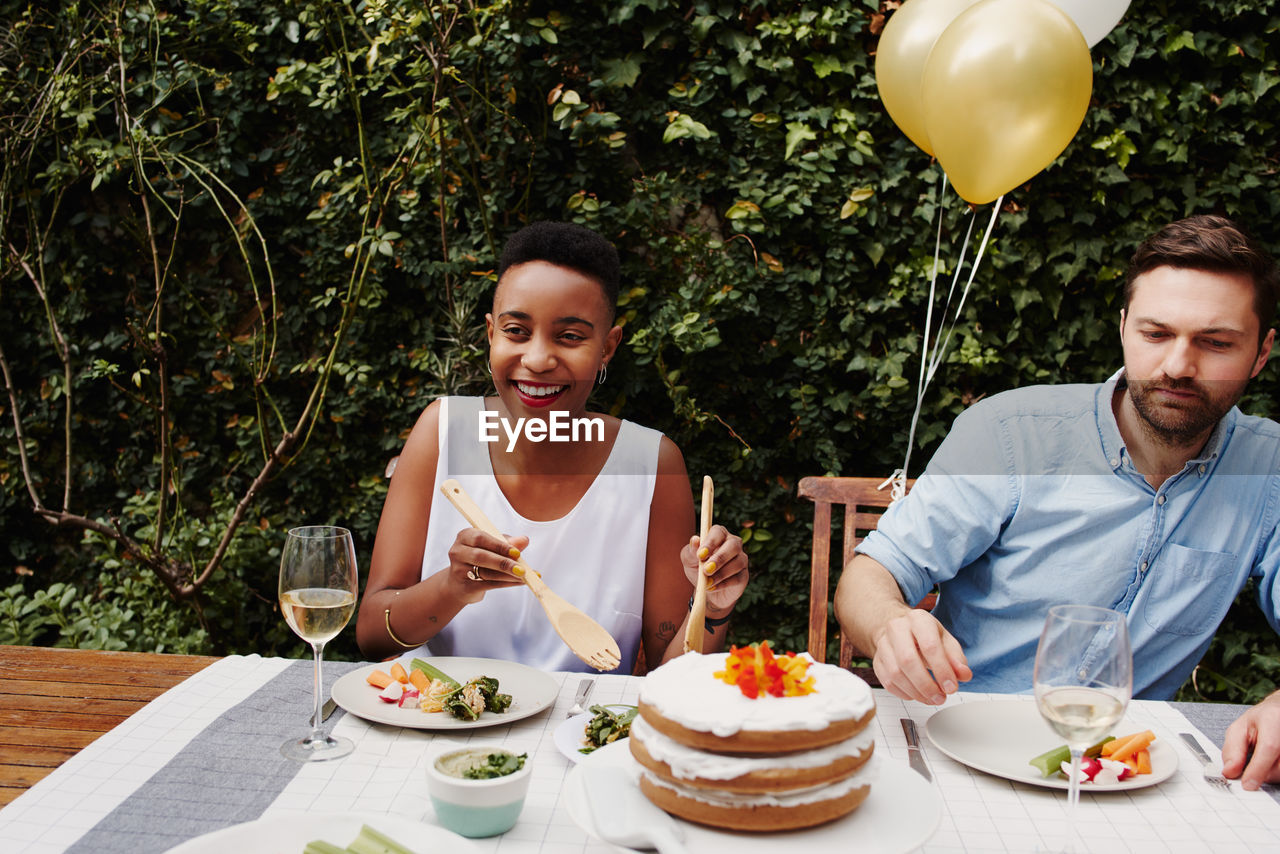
x=864 y=502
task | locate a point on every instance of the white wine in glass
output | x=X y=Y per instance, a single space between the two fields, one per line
x=318 y=586
x=1083 y=681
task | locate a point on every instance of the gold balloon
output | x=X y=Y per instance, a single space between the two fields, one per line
x=1005 y=88
x=904 y=46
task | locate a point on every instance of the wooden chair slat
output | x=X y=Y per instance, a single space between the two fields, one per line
x=863 y=502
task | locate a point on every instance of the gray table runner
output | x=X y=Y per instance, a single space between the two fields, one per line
x=226 y=775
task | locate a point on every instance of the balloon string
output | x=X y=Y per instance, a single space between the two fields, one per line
x=899 y=476
x=933 y=356
x=933 y=281
x=973 y=270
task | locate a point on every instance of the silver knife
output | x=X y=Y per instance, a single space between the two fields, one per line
x=914 y=755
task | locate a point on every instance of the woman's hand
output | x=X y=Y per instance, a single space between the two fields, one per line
x=725 y=563
x=480 y=562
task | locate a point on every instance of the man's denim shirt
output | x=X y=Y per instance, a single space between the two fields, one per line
x=1032 y=501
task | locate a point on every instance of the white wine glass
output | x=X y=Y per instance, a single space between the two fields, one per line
x=1083 y=681
x=318 y=587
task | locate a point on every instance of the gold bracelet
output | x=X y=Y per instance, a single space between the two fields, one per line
x=386 y=617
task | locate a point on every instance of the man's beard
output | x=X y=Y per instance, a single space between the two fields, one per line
x=1181 y=423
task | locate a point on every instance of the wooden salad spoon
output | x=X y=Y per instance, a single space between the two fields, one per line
x=589 y=640
x=693 y=634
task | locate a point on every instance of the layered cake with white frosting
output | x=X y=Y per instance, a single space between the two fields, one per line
x=747 y=740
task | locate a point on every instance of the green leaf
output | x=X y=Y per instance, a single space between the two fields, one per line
x=1184 y=40
x=620 y=73
x=797 y=134
x=825 y=65
x=682 y=126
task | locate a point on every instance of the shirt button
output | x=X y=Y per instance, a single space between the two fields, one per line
x=1160 y=499
x=1202 y=468
x=1114 y=462
x=1082 y=673
x=1143 y=568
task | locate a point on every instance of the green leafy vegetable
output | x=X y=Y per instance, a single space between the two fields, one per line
x=466 y=702
x=496 y=765
x=606 y=726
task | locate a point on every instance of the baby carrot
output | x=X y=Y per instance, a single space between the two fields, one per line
x=1133 y=745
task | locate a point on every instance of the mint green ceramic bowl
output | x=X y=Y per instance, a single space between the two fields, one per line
x=476 y=808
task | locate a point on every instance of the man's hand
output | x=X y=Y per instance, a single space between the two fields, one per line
x=917 y=659
x=1259 y=729
x=914 y=657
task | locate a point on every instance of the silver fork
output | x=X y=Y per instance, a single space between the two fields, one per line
x=1207 y=765
x=579 y=706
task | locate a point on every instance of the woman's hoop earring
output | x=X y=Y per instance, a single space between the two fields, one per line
x=603 y=375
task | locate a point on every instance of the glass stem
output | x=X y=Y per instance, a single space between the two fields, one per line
x=1073 y=800
x=316 y=734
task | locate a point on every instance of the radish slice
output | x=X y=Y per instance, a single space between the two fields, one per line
x=409 y=699
x=392 y=693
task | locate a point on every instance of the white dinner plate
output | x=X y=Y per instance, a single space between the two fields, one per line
x=290 y=832
x=1001 y=737
x=531 y=691
x=571 y=735
x=899 y=815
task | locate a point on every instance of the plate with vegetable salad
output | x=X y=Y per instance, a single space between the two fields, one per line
x=326 y=833
x=582 y=734
x=1009 y=739
x=445 y=692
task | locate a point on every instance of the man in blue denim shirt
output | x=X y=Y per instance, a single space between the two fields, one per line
x=1150 y=494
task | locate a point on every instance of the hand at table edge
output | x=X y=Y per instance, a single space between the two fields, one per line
x=916 y=658
x=1259 y=729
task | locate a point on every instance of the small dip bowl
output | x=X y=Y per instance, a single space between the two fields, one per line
x=476 y=808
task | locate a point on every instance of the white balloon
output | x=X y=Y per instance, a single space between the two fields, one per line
x=1095 y=18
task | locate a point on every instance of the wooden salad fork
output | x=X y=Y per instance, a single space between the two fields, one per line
x=693 y=634
x=589 y=640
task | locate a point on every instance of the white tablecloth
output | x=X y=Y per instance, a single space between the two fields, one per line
x=386 y=773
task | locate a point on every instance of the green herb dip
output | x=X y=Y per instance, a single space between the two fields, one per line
x=479 y=764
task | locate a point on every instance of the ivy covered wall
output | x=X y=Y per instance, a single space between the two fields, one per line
x=244 y=243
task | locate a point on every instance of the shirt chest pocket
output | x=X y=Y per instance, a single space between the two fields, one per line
x=1189 y=590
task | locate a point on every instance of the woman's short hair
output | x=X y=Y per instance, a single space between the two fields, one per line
x=1214 y=244
x=566 y=245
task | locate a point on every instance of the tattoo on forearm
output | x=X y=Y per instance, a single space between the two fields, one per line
x=433 y=619
x=666 y=630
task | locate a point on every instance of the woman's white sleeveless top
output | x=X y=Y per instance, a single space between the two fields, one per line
x=594 y=556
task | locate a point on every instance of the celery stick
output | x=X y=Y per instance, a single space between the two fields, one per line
x=1096 y=750
x=435 y=673
x=1050 y=762
x=371 y=841
x=319 y=846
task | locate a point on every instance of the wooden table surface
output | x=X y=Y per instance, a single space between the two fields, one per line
x=53 y=702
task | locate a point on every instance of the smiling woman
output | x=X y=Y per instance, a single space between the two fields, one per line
x=599 y=505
